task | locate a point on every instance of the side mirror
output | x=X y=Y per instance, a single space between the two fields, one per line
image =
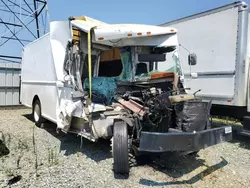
x=192 y=59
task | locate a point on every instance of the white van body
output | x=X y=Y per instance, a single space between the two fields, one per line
x=43 y=75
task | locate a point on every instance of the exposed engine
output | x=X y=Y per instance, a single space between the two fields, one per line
x=159 y=110
x=155 y=105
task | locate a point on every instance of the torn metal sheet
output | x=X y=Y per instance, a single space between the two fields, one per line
x=68 y=109
x=133 y=106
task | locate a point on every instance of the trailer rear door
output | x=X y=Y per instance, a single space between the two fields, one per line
x=212 y=36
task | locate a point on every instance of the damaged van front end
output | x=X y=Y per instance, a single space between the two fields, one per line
x=125 y=83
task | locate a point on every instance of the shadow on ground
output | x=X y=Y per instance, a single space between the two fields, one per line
x=71 y=143
x=194 y=179
x=171 y=164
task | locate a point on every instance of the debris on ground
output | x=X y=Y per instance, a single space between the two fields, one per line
x=14 y=180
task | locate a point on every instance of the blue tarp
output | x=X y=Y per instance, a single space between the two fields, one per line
x=103 y=89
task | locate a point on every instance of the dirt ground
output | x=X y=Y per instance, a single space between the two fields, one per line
x=40 y=158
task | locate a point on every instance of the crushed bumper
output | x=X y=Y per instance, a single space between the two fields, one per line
x=183 y=141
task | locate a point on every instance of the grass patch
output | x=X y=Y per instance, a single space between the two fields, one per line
x=53 y=157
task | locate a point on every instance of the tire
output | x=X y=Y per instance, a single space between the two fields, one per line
x=120 y=148
x=37 y=113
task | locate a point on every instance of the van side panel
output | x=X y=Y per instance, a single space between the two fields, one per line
x=39 y=77
x=60 y=34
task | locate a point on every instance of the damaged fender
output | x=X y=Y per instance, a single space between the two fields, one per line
x=69 y=108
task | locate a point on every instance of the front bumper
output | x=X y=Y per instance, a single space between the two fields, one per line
x=183 y=141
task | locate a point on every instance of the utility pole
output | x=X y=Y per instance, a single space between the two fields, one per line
x=21 y=22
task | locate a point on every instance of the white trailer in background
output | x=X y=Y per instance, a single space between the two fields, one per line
x=220 y=39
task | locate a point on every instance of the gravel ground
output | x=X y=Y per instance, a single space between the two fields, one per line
x=40 y=158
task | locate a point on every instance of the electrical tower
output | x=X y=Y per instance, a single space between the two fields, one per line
x=21 y=22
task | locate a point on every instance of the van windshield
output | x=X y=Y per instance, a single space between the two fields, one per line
x=138 y=62
x=170 y=63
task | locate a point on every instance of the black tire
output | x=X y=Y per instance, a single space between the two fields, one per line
x=37 y=113
x=120 y=148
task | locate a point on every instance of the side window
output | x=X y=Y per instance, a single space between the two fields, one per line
x=110 y=63
x=110 y=68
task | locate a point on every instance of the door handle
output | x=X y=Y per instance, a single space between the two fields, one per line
x=194 y=75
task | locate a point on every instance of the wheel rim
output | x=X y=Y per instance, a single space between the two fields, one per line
x=36 y=112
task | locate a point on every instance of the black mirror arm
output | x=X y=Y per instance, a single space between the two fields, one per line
x=185 y=48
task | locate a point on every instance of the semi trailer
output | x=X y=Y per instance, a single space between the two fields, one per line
x=221 y=40
x=121 y=82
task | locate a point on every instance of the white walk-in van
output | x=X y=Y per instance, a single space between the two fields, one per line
x=121 y=82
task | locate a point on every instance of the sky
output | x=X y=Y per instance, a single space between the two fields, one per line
x=132 y=11
x=153 y=12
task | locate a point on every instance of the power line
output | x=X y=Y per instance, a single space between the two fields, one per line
x=28 y=16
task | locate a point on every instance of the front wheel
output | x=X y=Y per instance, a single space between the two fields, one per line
x=120 y=148
x=37 y=113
